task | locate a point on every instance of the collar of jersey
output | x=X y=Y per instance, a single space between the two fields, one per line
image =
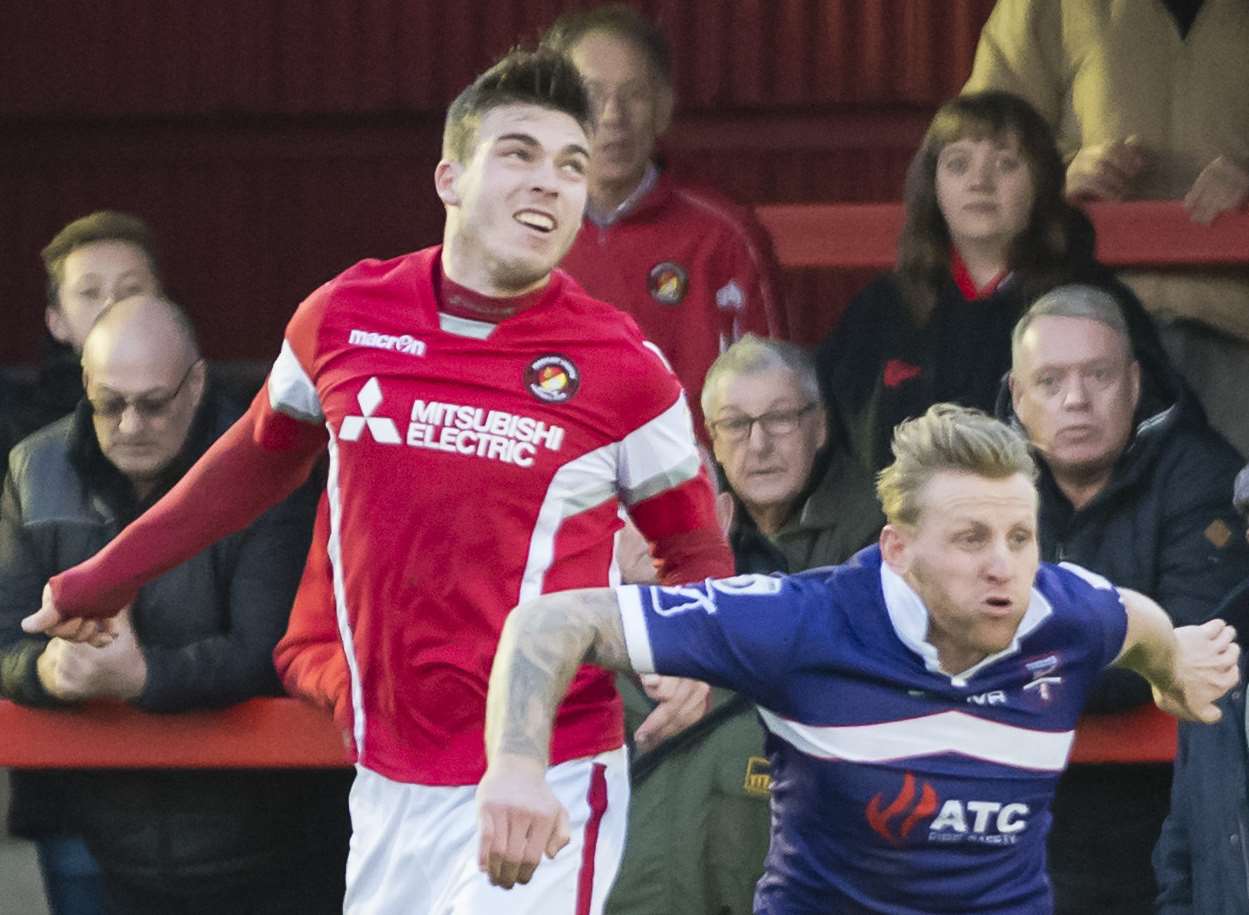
x=909 y=617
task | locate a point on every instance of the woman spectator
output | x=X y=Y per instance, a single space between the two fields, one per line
x=987 y=231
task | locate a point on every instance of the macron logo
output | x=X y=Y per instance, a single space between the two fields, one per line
x=382 y=429
x=404 y=344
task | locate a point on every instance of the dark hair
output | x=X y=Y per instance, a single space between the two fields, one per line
x=102 y=225
x=544 y=77
x=1056 y=236
x=620 y=21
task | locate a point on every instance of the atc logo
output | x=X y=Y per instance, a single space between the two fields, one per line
x=383 y=430
x=668 y=283
x=552 y=378
x=976 y=822
x=905 y=806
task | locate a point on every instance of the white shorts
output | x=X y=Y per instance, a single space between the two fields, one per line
x=414 y=847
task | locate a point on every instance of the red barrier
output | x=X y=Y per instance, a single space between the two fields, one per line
x=258 y=733
x=864 y=235
x=281 y=733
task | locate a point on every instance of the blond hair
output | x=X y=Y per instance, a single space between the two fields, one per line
x=947 y=438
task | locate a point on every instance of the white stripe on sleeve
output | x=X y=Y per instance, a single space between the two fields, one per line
x=633 y=620
x=291 y=391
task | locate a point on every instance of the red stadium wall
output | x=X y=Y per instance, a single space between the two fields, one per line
x=270 y=148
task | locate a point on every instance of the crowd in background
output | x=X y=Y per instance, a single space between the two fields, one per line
x=1129 y=390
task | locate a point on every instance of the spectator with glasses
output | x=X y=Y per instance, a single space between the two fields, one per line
x=800 y=503
x=201 y=635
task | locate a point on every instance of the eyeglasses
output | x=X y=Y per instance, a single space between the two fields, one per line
x=147 y=406
x=776 y=423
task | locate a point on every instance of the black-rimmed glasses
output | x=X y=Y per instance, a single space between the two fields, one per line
x=148 y=406
x=773 y=423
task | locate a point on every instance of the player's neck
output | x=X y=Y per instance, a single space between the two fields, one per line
x=463 y=301
x=954 y=658
x=467 y=293
x=463 y=264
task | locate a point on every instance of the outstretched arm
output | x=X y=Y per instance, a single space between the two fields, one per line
x=1189 y=668
x=543 y=644
x=257 y=463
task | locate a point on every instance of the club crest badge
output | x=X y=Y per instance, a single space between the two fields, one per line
x=668 y=283
x=553 y=378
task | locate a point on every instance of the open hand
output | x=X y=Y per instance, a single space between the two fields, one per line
x=1205 y=668
x=681 y=703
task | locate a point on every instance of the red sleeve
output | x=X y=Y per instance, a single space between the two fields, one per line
x=309 y=658
x=259 y=461
x=686 y=539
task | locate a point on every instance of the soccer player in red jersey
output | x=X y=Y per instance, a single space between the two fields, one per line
x=487 y=422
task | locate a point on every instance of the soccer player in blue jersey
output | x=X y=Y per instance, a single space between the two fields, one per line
x=920 y=700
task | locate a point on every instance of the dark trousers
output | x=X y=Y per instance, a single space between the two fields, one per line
x=315 y=886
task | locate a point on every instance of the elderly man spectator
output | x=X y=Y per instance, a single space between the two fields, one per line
x=1200 y=858
x=800 y=503
x=199 y=636
x=694 y=269
x=1133 y=486
x=796 y=505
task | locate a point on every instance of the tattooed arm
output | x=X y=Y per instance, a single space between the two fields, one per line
x=543 y=644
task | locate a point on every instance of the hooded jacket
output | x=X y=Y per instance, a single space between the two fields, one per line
x=1163 y=525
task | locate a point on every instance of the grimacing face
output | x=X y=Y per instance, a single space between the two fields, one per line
x=517 y=204
x=632 y=107
x=985 y=191
x=972 y=557
x=94 y=276
x=766 y=471
x=1074 y=387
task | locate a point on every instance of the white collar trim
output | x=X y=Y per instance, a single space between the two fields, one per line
x=909 y=618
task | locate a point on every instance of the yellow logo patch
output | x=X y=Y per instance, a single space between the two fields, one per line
x=758 y=777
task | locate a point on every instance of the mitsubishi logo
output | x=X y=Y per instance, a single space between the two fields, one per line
x=905 y=803
x=382 y=429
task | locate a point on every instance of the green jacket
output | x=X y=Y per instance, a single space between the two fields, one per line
x=699 y=823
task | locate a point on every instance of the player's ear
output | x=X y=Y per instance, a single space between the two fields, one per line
x=893 y=548
x=447 y=181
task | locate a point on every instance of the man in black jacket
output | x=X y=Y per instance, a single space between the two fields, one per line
x=199 y=636
x=1133 y=486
